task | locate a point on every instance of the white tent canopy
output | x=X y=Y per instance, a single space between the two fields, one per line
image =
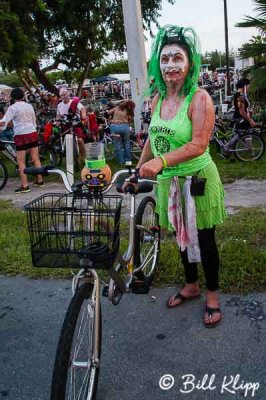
x=121 y=77
x=5 y=87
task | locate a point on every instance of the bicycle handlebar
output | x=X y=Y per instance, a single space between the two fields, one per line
x=47 y=170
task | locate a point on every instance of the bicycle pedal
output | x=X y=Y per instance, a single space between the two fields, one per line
x=105 y=291
x=139 y=287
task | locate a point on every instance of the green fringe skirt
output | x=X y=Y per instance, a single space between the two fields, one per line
x=210 y=208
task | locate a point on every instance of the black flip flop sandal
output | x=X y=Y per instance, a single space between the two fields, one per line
x=210 y=311
x=182 y=298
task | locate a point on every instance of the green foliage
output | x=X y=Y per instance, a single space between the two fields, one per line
x=77 y=34
x=10 y=80
x=111 y=67
x=217 y=59
x=256 y=48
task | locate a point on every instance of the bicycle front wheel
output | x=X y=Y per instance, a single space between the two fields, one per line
x=75 y=374
x=147 y=239
x=3 y=175
x=249 y=147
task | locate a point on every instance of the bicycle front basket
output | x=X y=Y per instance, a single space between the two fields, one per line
x=67 y=228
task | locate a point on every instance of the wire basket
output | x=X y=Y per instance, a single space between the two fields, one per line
x=72 y=231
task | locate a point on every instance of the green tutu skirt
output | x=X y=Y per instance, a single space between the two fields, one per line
x=210 y=208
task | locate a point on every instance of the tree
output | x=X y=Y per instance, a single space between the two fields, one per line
x=217 y=59
x=256 y=48
x=77 y=34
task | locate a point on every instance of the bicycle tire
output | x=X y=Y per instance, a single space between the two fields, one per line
x=54 y=158
x=109 y=150
x=3 y=175
x=244 y=151
x=144 y=242
x=64 y=359
x=135 y=150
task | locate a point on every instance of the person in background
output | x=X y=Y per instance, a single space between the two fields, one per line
x=93 y=125
x=121 y=118
x=242 y=104
x=23 y=118
x=190 y=195
x=73 y=106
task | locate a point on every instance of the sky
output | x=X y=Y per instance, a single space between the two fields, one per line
x=207 y=18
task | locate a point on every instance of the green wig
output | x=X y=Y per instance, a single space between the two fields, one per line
x=187 y=39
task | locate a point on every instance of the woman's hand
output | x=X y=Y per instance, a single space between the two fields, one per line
x=151 y=168
x=134 y=185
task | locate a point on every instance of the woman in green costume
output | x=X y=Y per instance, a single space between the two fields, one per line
x=179 y=133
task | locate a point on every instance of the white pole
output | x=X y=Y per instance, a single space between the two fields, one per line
x=70 y=158
x=225 y=89
x=136 y=54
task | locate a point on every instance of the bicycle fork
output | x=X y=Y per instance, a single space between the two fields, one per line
x=91 y=276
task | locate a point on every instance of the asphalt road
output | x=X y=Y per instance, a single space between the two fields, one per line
x=142 y=341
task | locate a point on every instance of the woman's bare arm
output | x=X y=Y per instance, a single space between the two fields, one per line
x=244 y=114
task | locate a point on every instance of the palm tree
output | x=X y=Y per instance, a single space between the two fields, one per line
x=256 y=48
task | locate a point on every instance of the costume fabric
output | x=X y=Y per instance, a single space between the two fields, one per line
x=166 y=136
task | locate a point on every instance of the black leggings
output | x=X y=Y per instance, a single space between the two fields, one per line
x=209 y=259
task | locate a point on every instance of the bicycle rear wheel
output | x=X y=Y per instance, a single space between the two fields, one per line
x=147 y=239
x=249 y=147
x=135 y=149
x=47 y=154
x=3 y=175
x=109 y=150
x=75 y=375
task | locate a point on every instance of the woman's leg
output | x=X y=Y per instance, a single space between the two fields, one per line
x=210 y=262
x=126 y=144
x=34 y=153
x=117 y=141
x=191 y=288
x=21 y=159
x=82 y=152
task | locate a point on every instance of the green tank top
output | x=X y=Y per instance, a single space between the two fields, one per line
x=166 y=136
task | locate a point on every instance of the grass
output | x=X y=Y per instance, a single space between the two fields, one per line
x=241 y=241
x=231 y=169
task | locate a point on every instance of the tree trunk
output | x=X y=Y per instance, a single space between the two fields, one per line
x=84 y=76
x=42 y=78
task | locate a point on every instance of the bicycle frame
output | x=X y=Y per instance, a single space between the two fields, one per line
x=91 y=275
x=226 y=140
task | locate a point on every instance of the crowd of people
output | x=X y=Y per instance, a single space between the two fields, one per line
x=20 y=118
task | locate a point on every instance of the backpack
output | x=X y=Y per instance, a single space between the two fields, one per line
x=73 y=108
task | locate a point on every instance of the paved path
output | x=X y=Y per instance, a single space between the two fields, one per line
x=142 y=341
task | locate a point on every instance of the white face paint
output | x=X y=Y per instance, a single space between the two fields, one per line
x=174 y=63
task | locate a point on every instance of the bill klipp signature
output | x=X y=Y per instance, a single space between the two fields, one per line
x=229 y=384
